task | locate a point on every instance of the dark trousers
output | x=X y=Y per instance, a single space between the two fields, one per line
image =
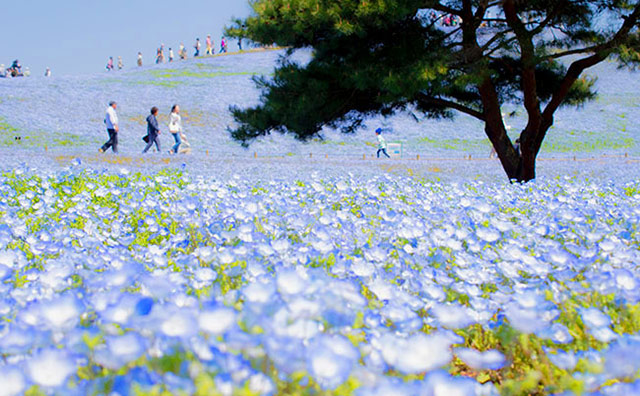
x=153 y=138
x=383 y=151
x=112 y=142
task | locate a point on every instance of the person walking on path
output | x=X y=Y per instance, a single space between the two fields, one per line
x=223 y=45
x=175 y=127
x=182 y=52
x=111 y=121
x=47 y=73
x=153 y=131
x=120 y=64
x=170 y=55
x=210 y=49
x=382 y=144
x=197 y=47
x=110 y=64
x=139 y=59
x=160 y=54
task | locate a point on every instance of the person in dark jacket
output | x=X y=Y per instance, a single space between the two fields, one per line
x=152 y=130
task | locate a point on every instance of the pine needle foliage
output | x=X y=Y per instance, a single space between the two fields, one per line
x=374 y=57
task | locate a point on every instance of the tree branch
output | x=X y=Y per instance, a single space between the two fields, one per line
x=529 y=80
x=425 y=98
x=601 y=53
x=480 y=11
x=585 y=50
x=547 y=20
x=442 y=8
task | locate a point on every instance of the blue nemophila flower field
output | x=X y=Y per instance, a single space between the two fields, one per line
x=167 y=282
x=309 y=270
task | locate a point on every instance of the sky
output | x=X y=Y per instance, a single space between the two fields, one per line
x=75 y=37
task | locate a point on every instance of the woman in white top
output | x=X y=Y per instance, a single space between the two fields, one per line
x=175 y=127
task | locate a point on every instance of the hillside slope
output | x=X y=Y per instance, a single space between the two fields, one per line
x=65 y=115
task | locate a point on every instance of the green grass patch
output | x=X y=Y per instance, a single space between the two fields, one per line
x=585 y=142
x=202 y=66
x=167 y=84
x=456 y=144
x=42 y=139
x=170 y=73
x=5 y=127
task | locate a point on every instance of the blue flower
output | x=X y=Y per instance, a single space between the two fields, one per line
x=331 y=360
x=487 y=360
x=50 y=367
x=417 y=353
x=12 y=380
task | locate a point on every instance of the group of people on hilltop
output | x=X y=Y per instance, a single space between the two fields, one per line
x=445 y=19
x=210 y=46
x=16 y=71
x=182 y=52
x=110 y=65
x=153 y=130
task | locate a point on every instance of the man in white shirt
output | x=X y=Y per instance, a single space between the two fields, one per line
x=111 y=120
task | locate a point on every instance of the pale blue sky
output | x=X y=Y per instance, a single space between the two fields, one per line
x=78 y=36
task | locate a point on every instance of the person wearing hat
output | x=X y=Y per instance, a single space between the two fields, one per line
x=382 y=144
x=111 y=120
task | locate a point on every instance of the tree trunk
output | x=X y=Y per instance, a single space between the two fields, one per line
x=527 y=167
x=509 y=161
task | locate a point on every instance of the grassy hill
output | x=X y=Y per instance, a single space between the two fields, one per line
x=64 y=115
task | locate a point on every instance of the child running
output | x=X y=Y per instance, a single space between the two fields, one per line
x=382 y=144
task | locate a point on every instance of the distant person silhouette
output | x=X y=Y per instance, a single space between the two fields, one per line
x=110 y=64
x=120 y=64
x=210 y=49
x=139 y=59
x=160 y=54
x=47 y=72
x=197 y=47
x=223 y=45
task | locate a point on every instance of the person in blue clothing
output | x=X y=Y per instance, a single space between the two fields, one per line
x=153 y=131
x=382 y=144
x=197 y=47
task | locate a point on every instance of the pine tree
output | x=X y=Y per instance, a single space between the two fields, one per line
x=385 y=56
